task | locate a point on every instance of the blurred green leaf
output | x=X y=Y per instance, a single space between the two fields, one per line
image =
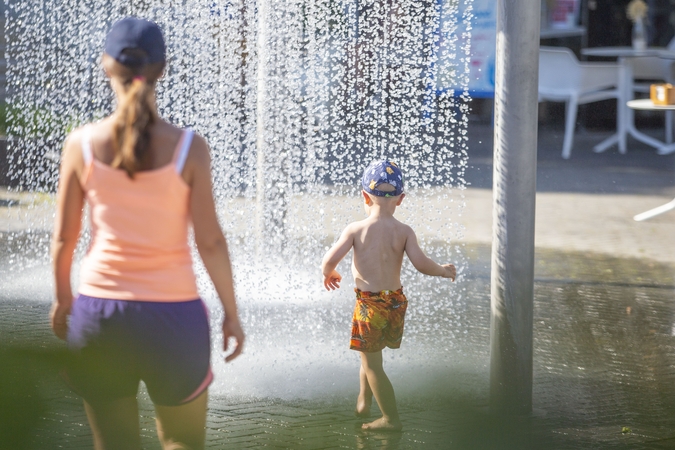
x=33 y=122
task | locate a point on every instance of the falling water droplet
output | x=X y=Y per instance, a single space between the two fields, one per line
x=345 y=83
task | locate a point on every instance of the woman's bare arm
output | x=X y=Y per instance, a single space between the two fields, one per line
x=211 y=242
x=69 y=204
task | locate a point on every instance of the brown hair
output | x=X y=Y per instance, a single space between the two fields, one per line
x=136 y=112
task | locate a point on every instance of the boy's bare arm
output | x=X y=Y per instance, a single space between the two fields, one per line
x=423 y=263
x=331 y=277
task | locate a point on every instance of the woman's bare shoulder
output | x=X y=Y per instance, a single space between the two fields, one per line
x=97 y=130
x=198 y=147
x=72 y=146
x=75 y=136
x=199 y=150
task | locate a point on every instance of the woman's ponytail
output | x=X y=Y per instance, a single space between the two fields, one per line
x=136 y=113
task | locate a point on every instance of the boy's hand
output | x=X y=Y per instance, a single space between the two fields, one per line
x=332 y=281
x=450 y=271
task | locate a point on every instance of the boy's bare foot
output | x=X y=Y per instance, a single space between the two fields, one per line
x=383 y=424
x=363 y=407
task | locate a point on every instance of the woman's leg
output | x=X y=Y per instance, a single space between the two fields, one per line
x=184 y=426
x=114 y=424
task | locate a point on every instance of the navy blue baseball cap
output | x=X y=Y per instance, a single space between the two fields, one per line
x=135 y=33
x=379 y=172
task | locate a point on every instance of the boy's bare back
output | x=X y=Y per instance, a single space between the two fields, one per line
x=379 y=243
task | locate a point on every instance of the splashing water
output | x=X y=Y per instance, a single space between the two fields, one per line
x=295 y=99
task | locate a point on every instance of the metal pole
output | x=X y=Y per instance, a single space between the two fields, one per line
x=514 y=187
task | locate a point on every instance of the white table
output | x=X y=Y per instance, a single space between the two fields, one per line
x=647 y=105
x=625 y=119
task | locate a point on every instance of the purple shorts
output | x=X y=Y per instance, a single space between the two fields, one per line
x=117 y=343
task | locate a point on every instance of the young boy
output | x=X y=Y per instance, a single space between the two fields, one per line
x=379 y=243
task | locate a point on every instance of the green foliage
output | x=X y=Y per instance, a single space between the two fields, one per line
x=3 y=119
x=33 y=122
x=25 y=377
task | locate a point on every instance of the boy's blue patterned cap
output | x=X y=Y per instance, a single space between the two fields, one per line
x=382 y=171
x=135 y=33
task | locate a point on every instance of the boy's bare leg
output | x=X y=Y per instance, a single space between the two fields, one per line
x=383 y=391
x=365 y=399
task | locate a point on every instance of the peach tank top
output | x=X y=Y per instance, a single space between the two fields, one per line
x=139 y=246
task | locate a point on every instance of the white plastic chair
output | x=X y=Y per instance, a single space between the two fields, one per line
x=562 y=78
x=657 y=70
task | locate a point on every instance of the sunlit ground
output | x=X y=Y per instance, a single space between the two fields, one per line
x=604 y=331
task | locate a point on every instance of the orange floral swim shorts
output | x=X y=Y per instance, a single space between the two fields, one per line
x=378 y=320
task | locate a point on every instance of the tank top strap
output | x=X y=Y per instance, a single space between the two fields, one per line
x=87 y=153
x=182 y=150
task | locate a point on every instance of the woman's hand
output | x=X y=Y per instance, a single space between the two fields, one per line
x=58 y=318
x=232 y=329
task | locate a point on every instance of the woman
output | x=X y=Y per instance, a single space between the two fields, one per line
x=138 y=315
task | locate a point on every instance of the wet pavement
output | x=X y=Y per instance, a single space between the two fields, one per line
x=604 y=331
x=604 y=362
